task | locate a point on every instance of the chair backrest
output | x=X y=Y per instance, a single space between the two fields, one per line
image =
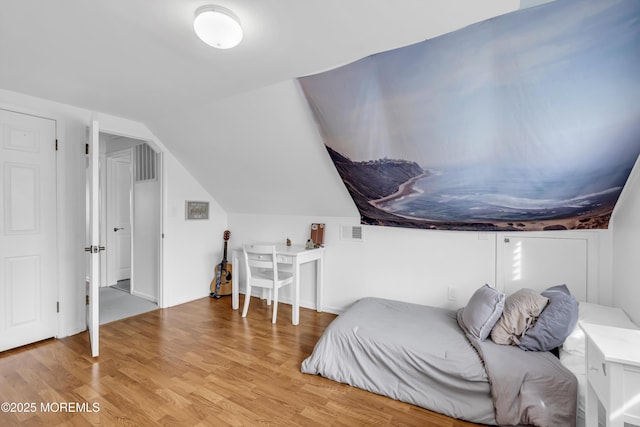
x=262 y=257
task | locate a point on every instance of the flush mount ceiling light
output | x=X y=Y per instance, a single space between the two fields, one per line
x=217 y=27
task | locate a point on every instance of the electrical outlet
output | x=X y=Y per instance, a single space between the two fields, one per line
x=452 y=293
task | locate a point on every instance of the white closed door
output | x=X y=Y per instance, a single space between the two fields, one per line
x=28 y=271
x=119 y=186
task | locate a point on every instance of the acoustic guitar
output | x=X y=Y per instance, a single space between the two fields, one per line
x=221 y=283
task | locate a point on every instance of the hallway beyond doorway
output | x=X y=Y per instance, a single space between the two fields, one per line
x=117 y=303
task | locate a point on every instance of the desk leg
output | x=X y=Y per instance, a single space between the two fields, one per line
x=319 y=284
x=235 y=284
x=295 y=309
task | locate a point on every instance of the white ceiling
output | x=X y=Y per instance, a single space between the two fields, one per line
x=141 y=60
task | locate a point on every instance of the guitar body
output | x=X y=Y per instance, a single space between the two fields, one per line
x=224 y=274
x=221 y=284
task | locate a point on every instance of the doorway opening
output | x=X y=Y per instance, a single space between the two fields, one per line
x=131 y=209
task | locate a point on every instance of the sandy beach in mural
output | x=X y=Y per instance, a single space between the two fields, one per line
x=405 y=190
x=593 y=219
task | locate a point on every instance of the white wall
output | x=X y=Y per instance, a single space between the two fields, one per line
x=191 y=249
x=146 y=250
x=626 y=248
x=398 y=263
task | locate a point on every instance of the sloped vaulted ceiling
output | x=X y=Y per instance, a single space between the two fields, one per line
x=234 y=118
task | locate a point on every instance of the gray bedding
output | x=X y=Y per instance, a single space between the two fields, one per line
x=528 y=387
x=409 y=352
x=420 y=355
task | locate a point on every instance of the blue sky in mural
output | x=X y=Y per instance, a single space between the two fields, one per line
x=530 y=115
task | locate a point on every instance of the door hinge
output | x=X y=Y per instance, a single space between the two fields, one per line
x=86 y=148
x=56 y=145
x=57 y=306
x=87 y=299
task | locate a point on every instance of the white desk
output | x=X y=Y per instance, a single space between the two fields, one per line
x=613 y=374
x=295 y=255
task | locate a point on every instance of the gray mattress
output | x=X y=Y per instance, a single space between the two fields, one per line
x=423 y=355
x=409 y=352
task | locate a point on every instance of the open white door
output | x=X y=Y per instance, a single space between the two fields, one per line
x=93 y=228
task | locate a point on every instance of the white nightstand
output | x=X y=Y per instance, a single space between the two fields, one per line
x=613 y=374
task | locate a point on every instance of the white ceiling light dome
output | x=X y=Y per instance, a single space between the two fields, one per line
x=217 y=26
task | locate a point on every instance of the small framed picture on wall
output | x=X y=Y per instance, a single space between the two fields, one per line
x=197 y=210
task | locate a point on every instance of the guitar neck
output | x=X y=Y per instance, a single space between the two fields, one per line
x=224 y=256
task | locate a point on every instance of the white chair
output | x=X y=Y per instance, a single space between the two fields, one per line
x=261 y=270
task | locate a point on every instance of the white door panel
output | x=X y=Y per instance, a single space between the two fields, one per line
x=119 y=187
x=22 y=184
x=28 y=273
x=122 y=207
x=23 y=286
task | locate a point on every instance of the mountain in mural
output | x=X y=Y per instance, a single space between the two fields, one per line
x=401 y=193
x=377 y=178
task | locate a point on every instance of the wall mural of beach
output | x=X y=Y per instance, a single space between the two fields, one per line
x=526 y=121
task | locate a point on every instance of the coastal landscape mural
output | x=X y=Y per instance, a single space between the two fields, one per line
x=527 y=121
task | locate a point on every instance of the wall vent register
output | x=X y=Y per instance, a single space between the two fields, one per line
x=146 y=163
x=353 y=233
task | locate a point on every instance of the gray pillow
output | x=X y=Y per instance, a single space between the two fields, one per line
x=483 y=311
x=555 y=323
x=521 y=309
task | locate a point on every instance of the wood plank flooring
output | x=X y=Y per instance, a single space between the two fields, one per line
x=197 y=364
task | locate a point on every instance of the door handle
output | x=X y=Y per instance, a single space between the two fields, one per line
x=94 y=249
x=118 y=228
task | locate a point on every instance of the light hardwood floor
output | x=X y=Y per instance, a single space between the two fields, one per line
x=197 y=364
